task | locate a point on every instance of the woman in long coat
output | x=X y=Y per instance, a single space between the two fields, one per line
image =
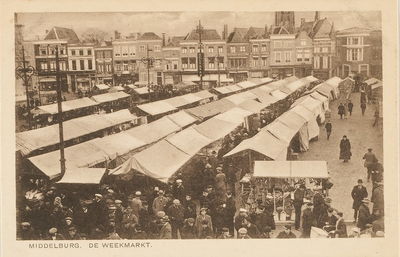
x=345 y=147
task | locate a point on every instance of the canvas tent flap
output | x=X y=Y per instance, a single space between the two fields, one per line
x=182 y=119
x=156 y=108
x=215 y=128
x=142 y=90
x=82 y=176
x=53 y=108
x=281 y=131
x=189 y=141
x=264 y=143
x=292 y=120
x=235 y=115
x=211 y=109
x=252 y=106
x=279 y=94
x=102 y=86
x=303 y=112
x=236 y=99
x=326 y=90
x=248 y=95
x=222 y=90
x=191 y=98
x=119 y=117
x=176 y=101
x=204 y=94
x=234 y=88
x=246 y=84
x=291 y=169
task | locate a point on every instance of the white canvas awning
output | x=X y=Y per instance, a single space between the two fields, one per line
x=102 y=86
x=279 y=94
x=291 y=169
x=82 y=176
x=156 y=108
x=281 y=131
x=182 y=119
x=142 y=90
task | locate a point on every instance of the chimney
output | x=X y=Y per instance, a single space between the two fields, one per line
x=117 y=34
x=317 y=16
x=303 y=20
x=163 y=39
x=225 y=32
x=266 y=30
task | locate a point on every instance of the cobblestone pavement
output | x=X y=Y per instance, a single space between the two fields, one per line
x=362 y=135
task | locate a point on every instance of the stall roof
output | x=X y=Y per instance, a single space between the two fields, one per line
x=117 y=88
x=236 y=99
x=292 y=120
x=311 y=78
x=156 y=108
x=275 y=85
x=234 y=87
x=53 y=108
x=109 y=97
x=248 y=95
x=246 y=84
x=319 y=96
x=291 y=78
x=279 y=94
x=102 y=86
x=204 y=94
x=378 y=84
x=119 y=117
x=264 y=143
x=142 y=90
x=177 y=101
x=252 y=105
x=189 y=141
x=325 y=89
x=371 y=81
x=334 y=81
x=159 y=129
x=235 y=115
x=182 y=119
x=281 y=131
x=307 y=102
x=260 y=93
x=215 y=128
x=223 y=90
x=211 y=109
x=291 y=169
x=303 y=112
x=131 y=86
x=83 y=176
x=191 y=98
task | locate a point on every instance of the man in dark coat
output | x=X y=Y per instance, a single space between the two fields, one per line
x=230 y=211
x=205 y=231
x=363 y=106
x=378 y=199
x=345 y=148
x=176 y=214
x=239 y=219
x=364 y=216
x=376 y=172
x=252 y=229
x=297 y=203
x=328 y=219
x=358 y=193
x=190 y=207
x=369 y=158
x=179 y=190
x=189 y=230
x=328 y=128
x=341 y=110
x=318 y=201
x=308 y=221
x=230 y=174
x=350 y=105
x=259 y=218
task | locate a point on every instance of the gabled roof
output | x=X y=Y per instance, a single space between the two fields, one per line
x=208 y=34
x=62 y=33
x=175 y=41
x=280 y=30
x=354 y=30
x=149 y=36
x=256 y=33
x=237 y=36
x=320 y=28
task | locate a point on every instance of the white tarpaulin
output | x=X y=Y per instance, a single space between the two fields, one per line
x=176 y=101
x=291 y=169
x=281 y=131
x=304 y=138
x=246 y=84
x=279 y=94
x=191 y=98
x=156 y=108
x=222 y=90
x=102 y=86
x=235 y=115
x=142 y=90
x=182 y=119
x=82 y=176
x=189 y=141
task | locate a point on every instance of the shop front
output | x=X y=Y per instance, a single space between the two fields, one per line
x=282 y=72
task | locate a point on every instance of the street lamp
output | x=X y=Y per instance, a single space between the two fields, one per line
x=25 y=73
x=200 y=55
x=148 y=62
x=60 y=117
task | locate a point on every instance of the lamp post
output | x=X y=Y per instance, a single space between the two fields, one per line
x=25 y=73
x=148 y=62
x=200 y=57
x=60 y=117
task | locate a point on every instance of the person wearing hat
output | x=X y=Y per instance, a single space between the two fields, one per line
x=208 y=175
x=189 y=206
x=26 y=232
x=286 y=233
x=355 y=233
x=378 y=199
x=139 y=233
x=213 y=160
x=340 y=227
x=345 y=149
x=259 y=217
x=220 y=184
x=178 y=190
x=265 y=233
x=328 y=220
x=203 y=216
x=166 y=230
x=64 y=227
x=83 y=236
x=230 y=211
x=128 y=215
x=252 y=230
x=242 y=234
x=231 y=178
x=72 y=234
x=239 y=219
x=205 y=231
x=376 y=172
x=96 y=208
x=308 y=220
x=54 y=235
x=328 y=128
x=225 y=234
x=204 y=199
x=380 y=234
x=176 y=213
x=358 y=193
x=298 y=196
x=127 y=230
x=364 y=216
x=84 y=217
x=136 y=204
x=367 y=232
x=159 y=202
x=189 y=230
x=369 y=158
x=112 y=227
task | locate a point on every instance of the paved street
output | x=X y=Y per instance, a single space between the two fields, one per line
x=362 y=135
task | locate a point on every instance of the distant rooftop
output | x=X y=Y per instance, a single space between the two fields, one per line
x=208 y=34
x=149 y=36
x=62 y=33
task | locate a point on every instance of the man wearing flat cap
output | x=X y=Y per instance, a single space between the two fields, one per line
x=265 y=234
x=287 y=233
x=190 y=207
x=72 y=234
x=225 y=234
x=166 y=230
x=252 y=230
x=98 y=232
x=242 y=234
x=205 y=230
x=176 y=213
x=358 y=193
x=239 y=219
x=97 y=208
x=84 y=217
x=127 y=230
x=136 y=204
x=159 y=202
x=364 y=216
x=27 y=232
x=54 y=235
x=179 y=190
x=189 y=230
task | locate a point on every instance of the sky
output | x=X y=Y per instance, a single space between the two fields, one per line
x=177 y=23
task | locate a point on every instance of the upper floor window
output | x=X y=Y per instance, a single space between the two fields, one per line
x=107 y=54
x=288 y=57
x=157 y=48
x=80 y=52
x=255 y=48
x=278 y=57
x=211 y=49
x=263 y=47
x=99 y=54
x=232 y=49
x=191 y=50
x=242 y=49
x=117 y=51
x=142 y=48
x=43 y=50
x=355 y=40
x=89 y=52
x=303 y=42
x=125 y=51
x=73 y=52
x=277 y=44
x=184 y=50
x=220 y=49
x=287 y=44
x=132 y=50
x=325 y=49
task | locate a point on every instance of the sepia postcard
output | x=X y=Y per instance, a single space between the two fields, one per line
x=161 y=128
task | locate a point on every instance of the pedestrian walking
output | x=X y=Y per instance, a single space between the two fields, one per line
x=350 y=106
x=376 y=115
x=328 y=128
x=369 y=158
x=363 y=107
x=363 y=97
x=341 y=110
x=358 y=193
x=376 y=172
x=345 y=149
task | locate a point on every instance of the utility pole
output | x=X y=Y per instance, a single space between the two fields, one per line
x=200 y=56
x=60 y=115
x=219 y=77
x=25 y=73
x=148 y=62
